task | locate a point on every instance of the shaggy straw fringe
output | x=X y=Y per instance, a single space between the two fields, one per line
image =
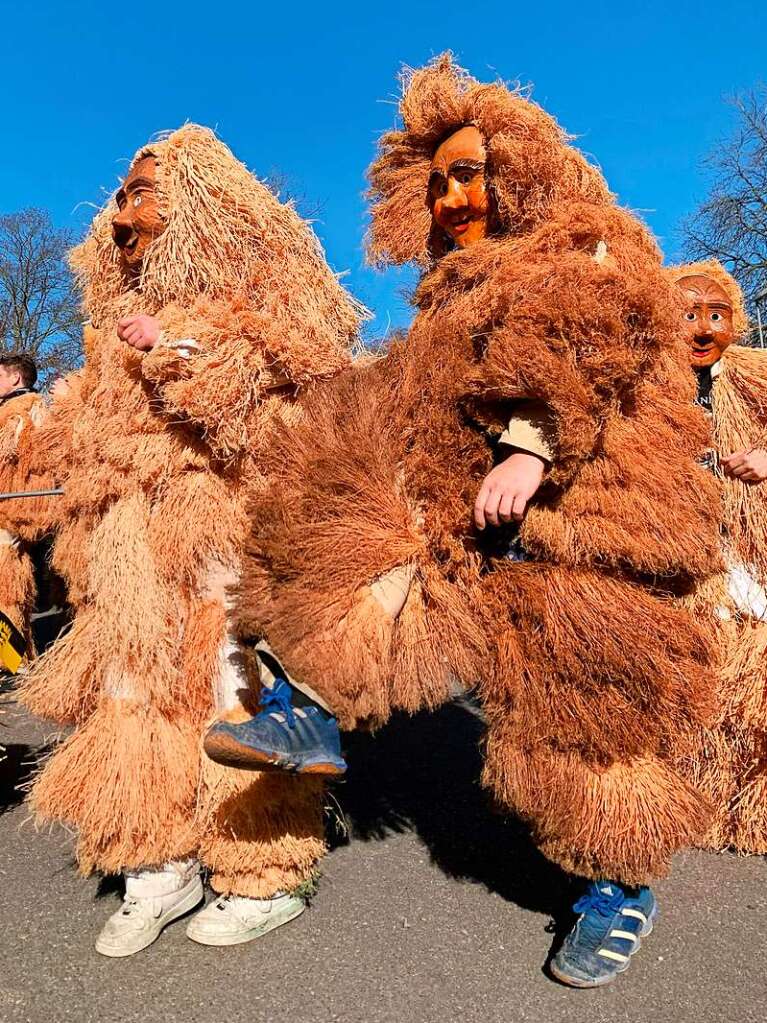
x=127 y=780
x=733 y=759
x=17 y=584
x=261 y=833
x=336 y=521
x=386 y=467
x=623 y=822
x=154 y=452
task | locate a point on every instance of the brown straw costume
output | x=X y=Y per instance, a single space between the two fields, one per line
x=733 y=761
x=587 y=661
x=160 y=448
x=17 y=583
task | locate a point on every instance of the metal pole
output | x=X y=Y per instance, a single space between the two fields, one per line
x=759 y=297
x=31 y=493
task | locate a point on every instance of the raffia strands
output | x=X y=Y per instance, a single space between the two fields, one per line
x=623 y=822
x=740 y=423
x=736 y=760
x=532 y=167
x=334 y=520
x=154 y=452
x=225 y=230
x=70 y=556
x=17 y=586
x=744 y=675
x=183 y=535
x=561 y=660
x=749 y=805
x=133 y=616
x=15 y=418
x=127 y=780
x=204 y=632
x=43 y=459
x=261 y=833
x=732 y=766
x=589 y=650
x=74 y=662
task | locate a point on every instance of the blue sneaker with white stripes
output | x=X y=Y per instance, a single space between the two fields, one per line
x=283 y=736
x=609 y=930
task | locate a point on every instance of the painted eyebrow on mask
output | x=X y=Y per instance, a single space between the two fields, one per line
x=138 y=183
x=472 y=165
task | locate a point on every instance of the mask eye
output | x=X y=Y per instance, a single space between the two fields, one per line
x=716 y=316
x=137 y=200
x=690 y=316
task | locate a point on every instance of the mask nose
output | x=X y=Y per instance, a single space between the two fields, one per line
x=705 y=331
x=121 y=233
x=456 y=196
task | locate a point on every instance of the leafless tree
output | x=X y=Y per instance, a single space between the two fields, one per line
x=39 y=307
x=731 y=224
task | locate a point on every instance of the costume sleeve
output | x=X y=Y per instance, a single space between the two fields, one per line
x=531 y=430
x=43 y=457
x=576 y=338
x=215 y=363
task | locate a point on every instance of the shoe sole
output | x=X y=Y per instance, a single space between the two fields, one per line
x=281 y=917
x=569 y=981
x=189 y=902
x=225 y=750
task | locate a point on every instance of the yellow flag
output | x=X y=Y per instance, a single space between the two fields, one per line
x=12 y=645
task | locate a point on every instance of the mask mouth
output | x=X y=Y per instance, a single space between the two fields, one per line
x=125 y=238
x=701 y=348
x=460 y=222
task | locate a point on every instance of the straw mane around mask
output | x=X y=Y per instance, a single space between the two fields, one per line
x=226 y=234
x=530 y=166
x=713 y=268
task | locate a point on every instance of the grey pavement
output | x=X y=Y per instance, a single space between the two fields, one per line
x=432 y=908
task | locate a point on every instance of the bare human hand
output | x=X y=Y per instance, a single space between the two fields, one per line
x=506 y=490
x=749 y=466
x=140 y=332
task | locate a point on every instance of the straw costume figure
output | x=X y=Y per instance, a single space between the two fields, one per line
x=211 y=308
x=541 y=303
x=732 y=387
x=18 y=399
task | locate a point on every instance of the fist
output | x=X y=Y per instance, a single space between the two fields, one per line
x=61 y=388
x=140 y=332
x=507 y=489
x=748 y=466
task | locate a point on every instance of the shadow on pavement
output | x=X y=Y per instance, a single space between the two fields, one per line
x=18 y=762
x=422 y=773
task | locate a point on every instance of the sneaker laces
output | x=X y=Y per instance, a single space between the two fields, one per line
x=133 y=906
x=597 y=901
x=597 y=909
x=233 y=905
x=278 y=700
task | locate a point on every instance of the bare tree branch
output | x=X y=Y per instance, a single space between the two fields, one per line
x=731 y=223
x=39 y=307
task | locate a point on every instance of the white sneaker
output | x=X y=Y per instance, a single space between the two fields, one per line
x=153 y=899
x=232 y=919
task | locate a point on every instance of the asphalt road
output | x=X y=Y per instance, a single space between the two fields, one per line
x=431 y=909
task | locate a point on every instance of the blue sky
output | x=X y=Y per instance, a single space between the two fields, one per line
x=302 y=90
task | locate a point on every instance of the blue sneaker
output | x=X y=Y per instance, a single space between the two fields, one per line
x=281 y=737
x=608 y=932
